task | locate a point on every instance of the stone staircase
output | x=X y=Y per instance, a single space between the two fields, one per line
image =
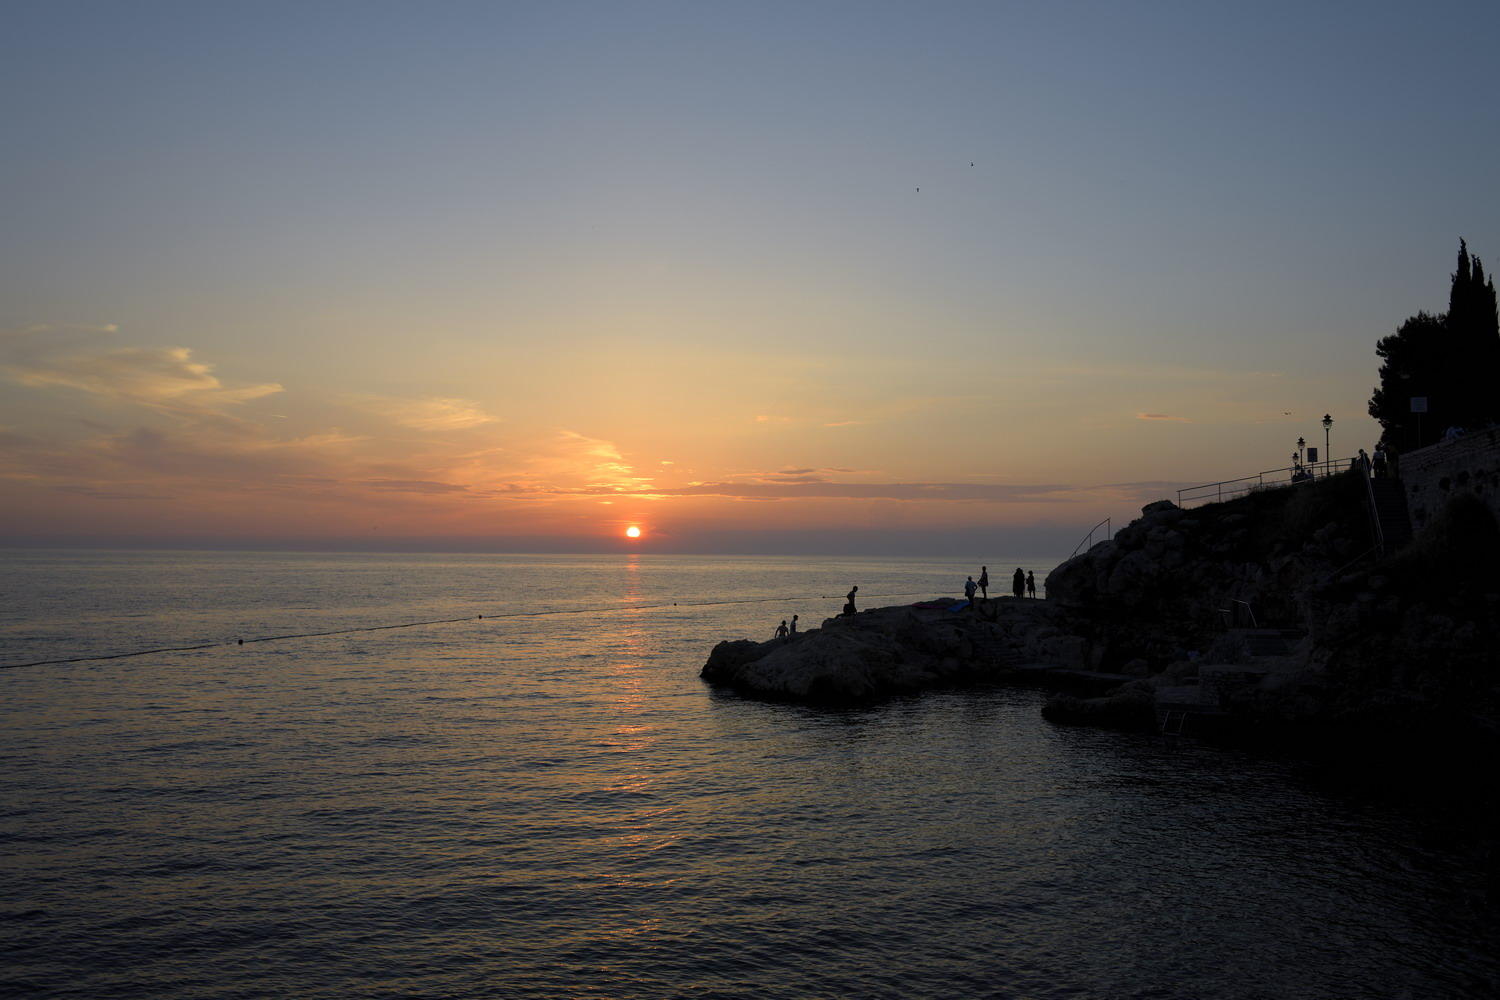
x=1190 y=709
x=1269 y=641
x=1390 y=510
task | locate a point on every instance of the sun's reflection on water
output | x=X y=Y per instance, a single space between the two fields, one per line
x=628 y=643
x=628 y=741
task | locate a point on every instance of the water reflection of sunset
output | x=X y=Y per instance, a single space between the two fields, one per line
x=631 y=629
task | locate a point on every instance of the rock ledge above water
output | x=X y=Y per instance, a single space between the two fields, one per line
x=895 y=650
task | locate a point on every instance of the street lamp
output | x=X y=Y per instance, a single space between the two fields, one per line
x=1301 y=444
x=1327 y=455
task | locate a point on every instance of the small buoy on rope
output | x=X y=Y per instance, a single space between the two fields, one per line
x=240 y=641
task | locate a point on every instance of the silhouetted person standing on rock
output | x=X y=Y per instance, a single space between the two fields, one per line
x=781 y=632
x=1030 y=584
x=1018 y=582
x=969 y=587
x=849 y=608
x=984 y=582
x=792 y=632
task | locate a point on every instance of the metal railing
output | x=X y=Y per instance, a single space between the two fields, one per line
x=1088 y=541
x=1230 y=616
x=1228 y=489
x=1369 y=478
x=1372 y=550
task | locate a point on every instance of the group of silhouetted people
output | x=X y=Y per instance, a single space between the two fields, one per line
x=789 y=631
x=1022 y=584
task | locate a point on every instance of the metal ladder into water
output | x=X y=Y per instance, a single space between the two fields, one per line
x=1166 y=722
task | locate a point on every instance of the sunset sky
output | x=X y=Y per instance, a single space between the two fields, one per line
x=804 y=277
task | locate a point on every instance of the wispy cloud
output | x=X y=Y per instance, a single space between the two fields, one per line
x=166 y=379
x=820 y=489
x=804 y=475
x=807 y=477
x=97 y=494
x=1162 y=416
x=432 y=413
x=1135 y=371
x=602 y=461
x=782 y=419
x=414 y=486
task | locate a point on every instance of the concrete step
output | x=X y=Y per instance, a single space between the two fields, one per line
x=1269 y=641
x=1391 y=511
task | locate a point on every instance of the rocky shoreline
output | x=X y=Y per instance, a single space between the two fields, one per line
x=1270 y=616
x=901 y=650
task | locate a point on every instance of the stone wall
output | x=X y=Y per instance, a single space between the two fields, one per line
x=1433 y=474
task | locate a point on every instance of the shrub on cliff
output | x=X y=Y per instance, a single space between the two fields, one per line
x=1339 y=501
x=1422 y=627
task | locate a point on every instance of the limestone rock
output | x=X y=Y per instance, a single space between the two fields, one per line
x=887 y=651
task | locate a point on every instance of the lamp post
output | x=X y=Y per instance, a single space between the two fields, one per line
x=1301 y=445
x=1327 y=455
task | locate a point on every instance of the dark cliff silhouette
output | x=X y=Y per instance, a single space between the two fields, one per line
x=1452 y=360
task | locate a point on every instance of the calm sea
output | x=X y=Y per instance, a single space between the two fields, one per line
x=551 y=804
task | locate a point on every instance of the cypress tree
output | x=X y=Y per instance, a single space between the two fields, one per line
x=1459 y=290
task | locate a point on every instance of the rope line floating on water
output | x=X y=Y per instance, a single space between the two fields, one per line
x=434 y=621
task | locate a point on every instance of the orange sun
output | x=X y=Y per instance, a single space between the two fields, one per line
x=632 y=532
